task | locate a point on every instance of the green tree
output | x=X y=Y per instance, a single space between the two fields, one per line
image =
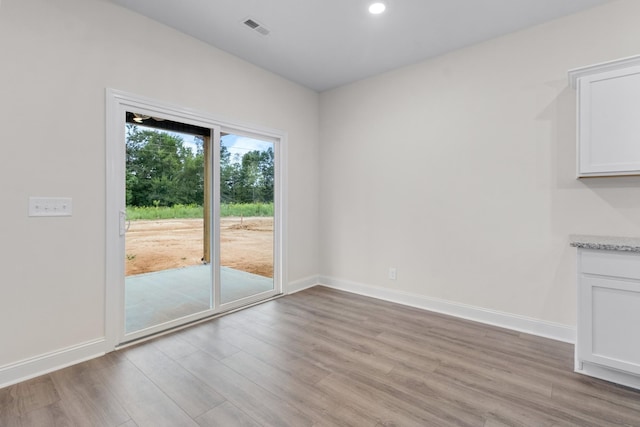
x=228 y=176
x=266 y=166
x=257 y=176
x=161 y=171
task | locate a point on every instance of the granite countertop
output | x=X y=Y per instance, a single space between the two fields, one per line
x=608 y=243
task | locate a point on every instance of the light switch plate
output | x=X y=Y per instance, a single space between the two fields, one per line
x=50 y=206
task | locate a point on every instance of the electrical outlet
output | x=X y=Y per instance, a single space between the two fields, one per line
x=392 y=273
x=50 y=206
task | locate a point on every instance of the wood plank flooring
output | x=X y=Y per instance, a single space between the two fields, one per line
x=326 y=358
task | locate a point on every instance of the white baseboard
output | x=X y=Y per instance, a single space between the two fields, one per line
x=40 y=365
x=49 y=362
x=302 y=284
x=514 y=322
x=610 y=374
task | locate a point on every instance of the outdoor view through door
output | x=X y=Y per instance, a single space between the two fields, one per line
x=246 y=217
x=183 y=249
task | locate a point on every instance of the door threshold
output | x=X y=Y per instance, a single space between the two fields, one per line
x=188 y=325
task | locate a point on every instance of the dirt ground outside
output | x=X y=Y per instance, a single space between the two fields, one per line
x=246 y=244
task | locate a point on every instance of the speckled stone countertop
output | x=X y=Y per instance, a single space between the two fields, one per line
x=607 y=243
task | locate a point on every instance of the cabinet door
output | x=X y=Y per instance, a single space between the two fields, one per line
x=609 y=123
x=609 y=316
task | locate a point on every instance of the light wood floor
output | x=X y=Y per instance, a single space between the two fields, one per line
x=325 y=358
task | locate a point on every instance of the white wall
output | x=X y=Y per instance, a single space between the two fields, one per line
x=56 y=59
x=460 y=171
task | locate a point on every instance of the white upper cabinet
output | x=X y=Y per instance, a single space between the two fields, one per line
x=608 y=117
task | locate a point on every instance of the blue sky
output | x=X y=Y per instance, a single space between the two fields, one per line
x=235 y=144
x=241 y=144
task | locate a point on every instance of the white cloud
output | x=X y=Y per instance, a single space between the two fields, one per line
x=240 y=145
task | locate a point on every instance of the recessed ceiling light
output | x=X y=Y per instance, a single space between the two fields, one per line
x=377 y=8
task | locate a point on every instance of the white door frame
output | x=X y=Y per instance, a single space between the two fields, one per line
x=117 y=104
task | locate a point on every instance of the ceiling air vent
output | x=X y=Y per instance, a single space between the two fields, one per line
x=256 y=26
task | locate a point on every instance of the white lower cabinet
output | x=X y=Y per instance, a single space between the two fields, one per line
x=608 y=327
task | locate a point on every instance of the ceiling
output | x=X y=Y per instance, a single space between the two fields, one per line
x=323 y=44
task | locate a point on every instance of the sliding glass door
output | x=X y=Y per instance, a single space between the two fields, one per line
x=198 y=219
x=246 y=218
x=168 y=273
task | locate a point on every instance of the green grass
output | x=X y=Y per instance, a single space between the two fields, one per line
x=195 y=211
x=164 y=212
x=246 y=209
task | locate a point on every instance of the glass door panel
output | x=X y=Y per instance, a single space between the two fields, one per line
x=246 y=217
x=168 y=273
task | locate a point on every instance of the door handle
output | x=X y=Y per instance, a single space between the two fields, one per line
x=123 y=222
